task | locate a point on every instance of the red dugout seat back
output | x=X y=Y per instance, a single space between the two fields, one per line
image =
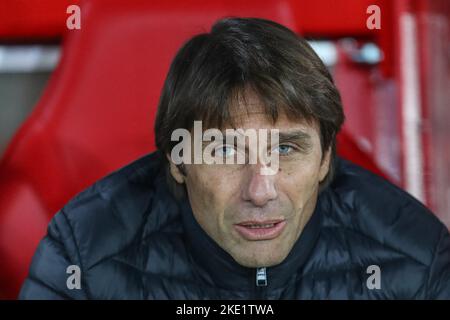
x=97 y=111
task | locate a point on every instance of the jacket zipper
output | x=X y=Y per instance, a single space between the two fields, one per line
x=261 y=282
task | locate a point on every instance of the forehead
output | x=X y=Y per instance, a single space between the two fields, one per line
x=250 y=113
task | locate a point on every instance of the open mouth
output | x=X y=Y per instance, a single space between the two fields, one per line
x=260 y=230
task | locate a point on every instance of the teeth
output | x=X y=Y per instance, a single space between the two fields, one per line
x=256 y=226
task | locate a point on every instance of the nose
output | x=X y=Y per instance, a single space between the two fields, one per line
x=259 y=189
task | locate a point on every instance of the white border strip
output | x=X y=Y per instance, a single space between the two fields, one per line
x=33 y=58
x=411 y=116
x=326 y=50
x=36 y=58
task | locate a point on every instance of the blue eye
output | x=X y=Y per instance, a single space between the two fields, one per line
x=283 y=149
x=224 y=151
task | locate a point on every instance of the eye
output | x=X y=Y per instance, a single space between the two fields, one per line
x=283 y=149
x=224 y=151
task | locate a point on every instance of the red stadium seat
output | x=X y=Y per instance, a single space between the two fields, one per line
x=97 y=111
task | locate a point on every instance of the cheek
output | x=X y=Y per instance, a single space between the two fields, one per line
x=300 y=180
x=199 y=190
x=209 y=190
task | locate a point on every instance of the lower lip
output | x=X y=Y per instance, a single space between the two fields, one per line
x=260 y=233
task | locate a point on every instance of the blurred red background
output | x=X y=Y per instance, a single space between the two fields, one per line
x=96 y=112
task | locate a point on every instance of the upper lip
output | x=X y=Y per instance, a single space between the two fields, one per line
x=259 y=222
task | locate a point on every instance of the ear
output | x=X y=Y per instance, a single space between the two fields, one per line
x=175 y=171
x=325 y=165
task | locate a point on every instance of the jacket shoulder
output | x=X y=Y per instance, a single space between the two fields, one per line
x=108 y=216
x=372 y=207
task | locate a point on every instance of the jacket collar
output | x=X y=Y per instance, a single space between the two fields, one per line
x=218 y=268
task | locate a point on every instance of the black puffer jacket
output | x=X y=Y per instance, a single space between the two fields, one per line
x=132 y=240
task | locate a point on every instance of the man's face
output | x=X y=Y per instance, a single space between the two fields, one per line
x=257 y=218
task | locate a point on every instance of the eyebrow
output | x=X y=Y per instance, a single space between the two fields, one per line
x=297 y=136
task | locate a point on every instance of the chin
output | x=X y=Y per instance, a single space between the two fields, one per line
x=265 y=259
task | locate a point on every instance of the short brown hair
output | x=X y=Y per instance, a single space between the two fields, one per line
x=212 y=70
